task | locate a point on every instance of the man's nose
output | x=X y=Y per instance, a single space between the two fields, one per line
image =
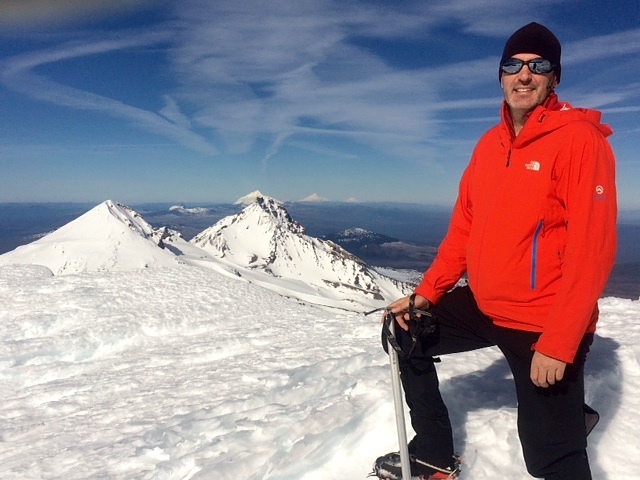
x=524 y=75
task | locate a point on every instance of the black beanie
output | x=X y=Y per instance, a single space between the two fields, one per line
x=534 y=38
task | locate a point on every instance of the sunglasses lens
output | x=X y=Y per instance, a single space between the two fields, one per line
x=540 y=65
x=511 y=65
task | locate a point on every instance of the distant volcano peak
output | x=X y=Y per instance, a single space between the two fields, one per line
x=253 y=197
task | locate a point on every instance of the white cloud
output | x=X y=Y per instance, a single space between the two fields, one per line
x=603 y=46
x=291 y=73
x=268 y=71
x=171 y=111
x=17 y=73
x=254 y=71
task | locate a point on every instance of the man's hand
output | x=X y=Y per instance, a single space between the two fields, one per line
x=546 y=371
x=401 y=305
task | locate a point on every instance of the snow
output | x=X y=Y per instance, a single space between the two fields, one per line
x=250 y=198
x=188 y=211
x=183 y=373
x=314 y=198
x=108 y=237
x=186 y=370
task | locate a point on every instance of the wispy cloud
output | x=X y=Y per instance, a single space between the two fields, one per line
x=18 y=73
x=282 y=73
x=607 y=70
x=602 y=46
x=270 y=71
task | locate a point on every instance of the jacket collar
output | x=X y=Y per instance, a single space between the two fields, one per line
x=550 y=104
x=549 y=116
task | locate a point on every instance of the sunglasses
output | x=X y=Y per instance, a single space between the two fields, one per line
x=537 y=65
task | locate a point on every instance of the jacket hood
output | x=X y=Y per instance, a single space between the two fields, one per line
x=550 y=116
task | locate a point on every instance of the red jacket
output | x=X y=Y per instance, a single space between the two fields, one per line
x=534 y=226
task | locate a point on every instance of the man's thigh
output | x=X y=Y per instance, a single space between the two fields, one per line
x=460 y=327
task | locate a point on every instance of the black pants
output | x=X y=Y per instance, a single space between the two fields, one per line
x=551 y=422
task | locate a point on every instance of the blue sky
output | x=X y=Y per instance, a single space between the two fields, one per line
x=205 y=101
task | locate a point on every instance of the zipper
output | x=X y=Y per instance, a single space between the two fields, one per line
x=509 y=157
x=534 y=254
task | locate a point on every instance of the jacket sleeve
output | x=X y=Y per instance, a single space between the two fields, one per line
x=587 y=188
x=450 y=262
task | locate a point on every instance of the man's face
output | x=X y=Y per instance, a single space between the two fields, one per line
x=524 y=91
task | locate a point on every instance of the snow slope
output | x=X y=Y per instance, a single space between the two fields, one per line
x=108 y=237
x=183 y=373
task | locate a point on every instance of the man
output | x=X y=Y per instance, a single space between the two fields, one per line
x=534 y=230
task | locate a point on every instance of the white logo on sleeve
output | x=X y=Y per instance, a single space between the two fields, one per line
x=600 y=195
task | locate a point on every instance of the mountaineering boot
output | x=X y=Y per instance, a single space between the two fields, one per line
x=389 y=467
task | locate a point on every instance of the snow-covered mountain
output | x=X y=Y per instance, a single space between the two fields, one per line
x=109 y=237
x=262 y=245
x=263 y=238
x=182 y=210
x=359 y=236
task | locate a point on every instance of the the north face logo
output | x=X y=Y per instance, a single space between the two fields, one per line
x=532 y=165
